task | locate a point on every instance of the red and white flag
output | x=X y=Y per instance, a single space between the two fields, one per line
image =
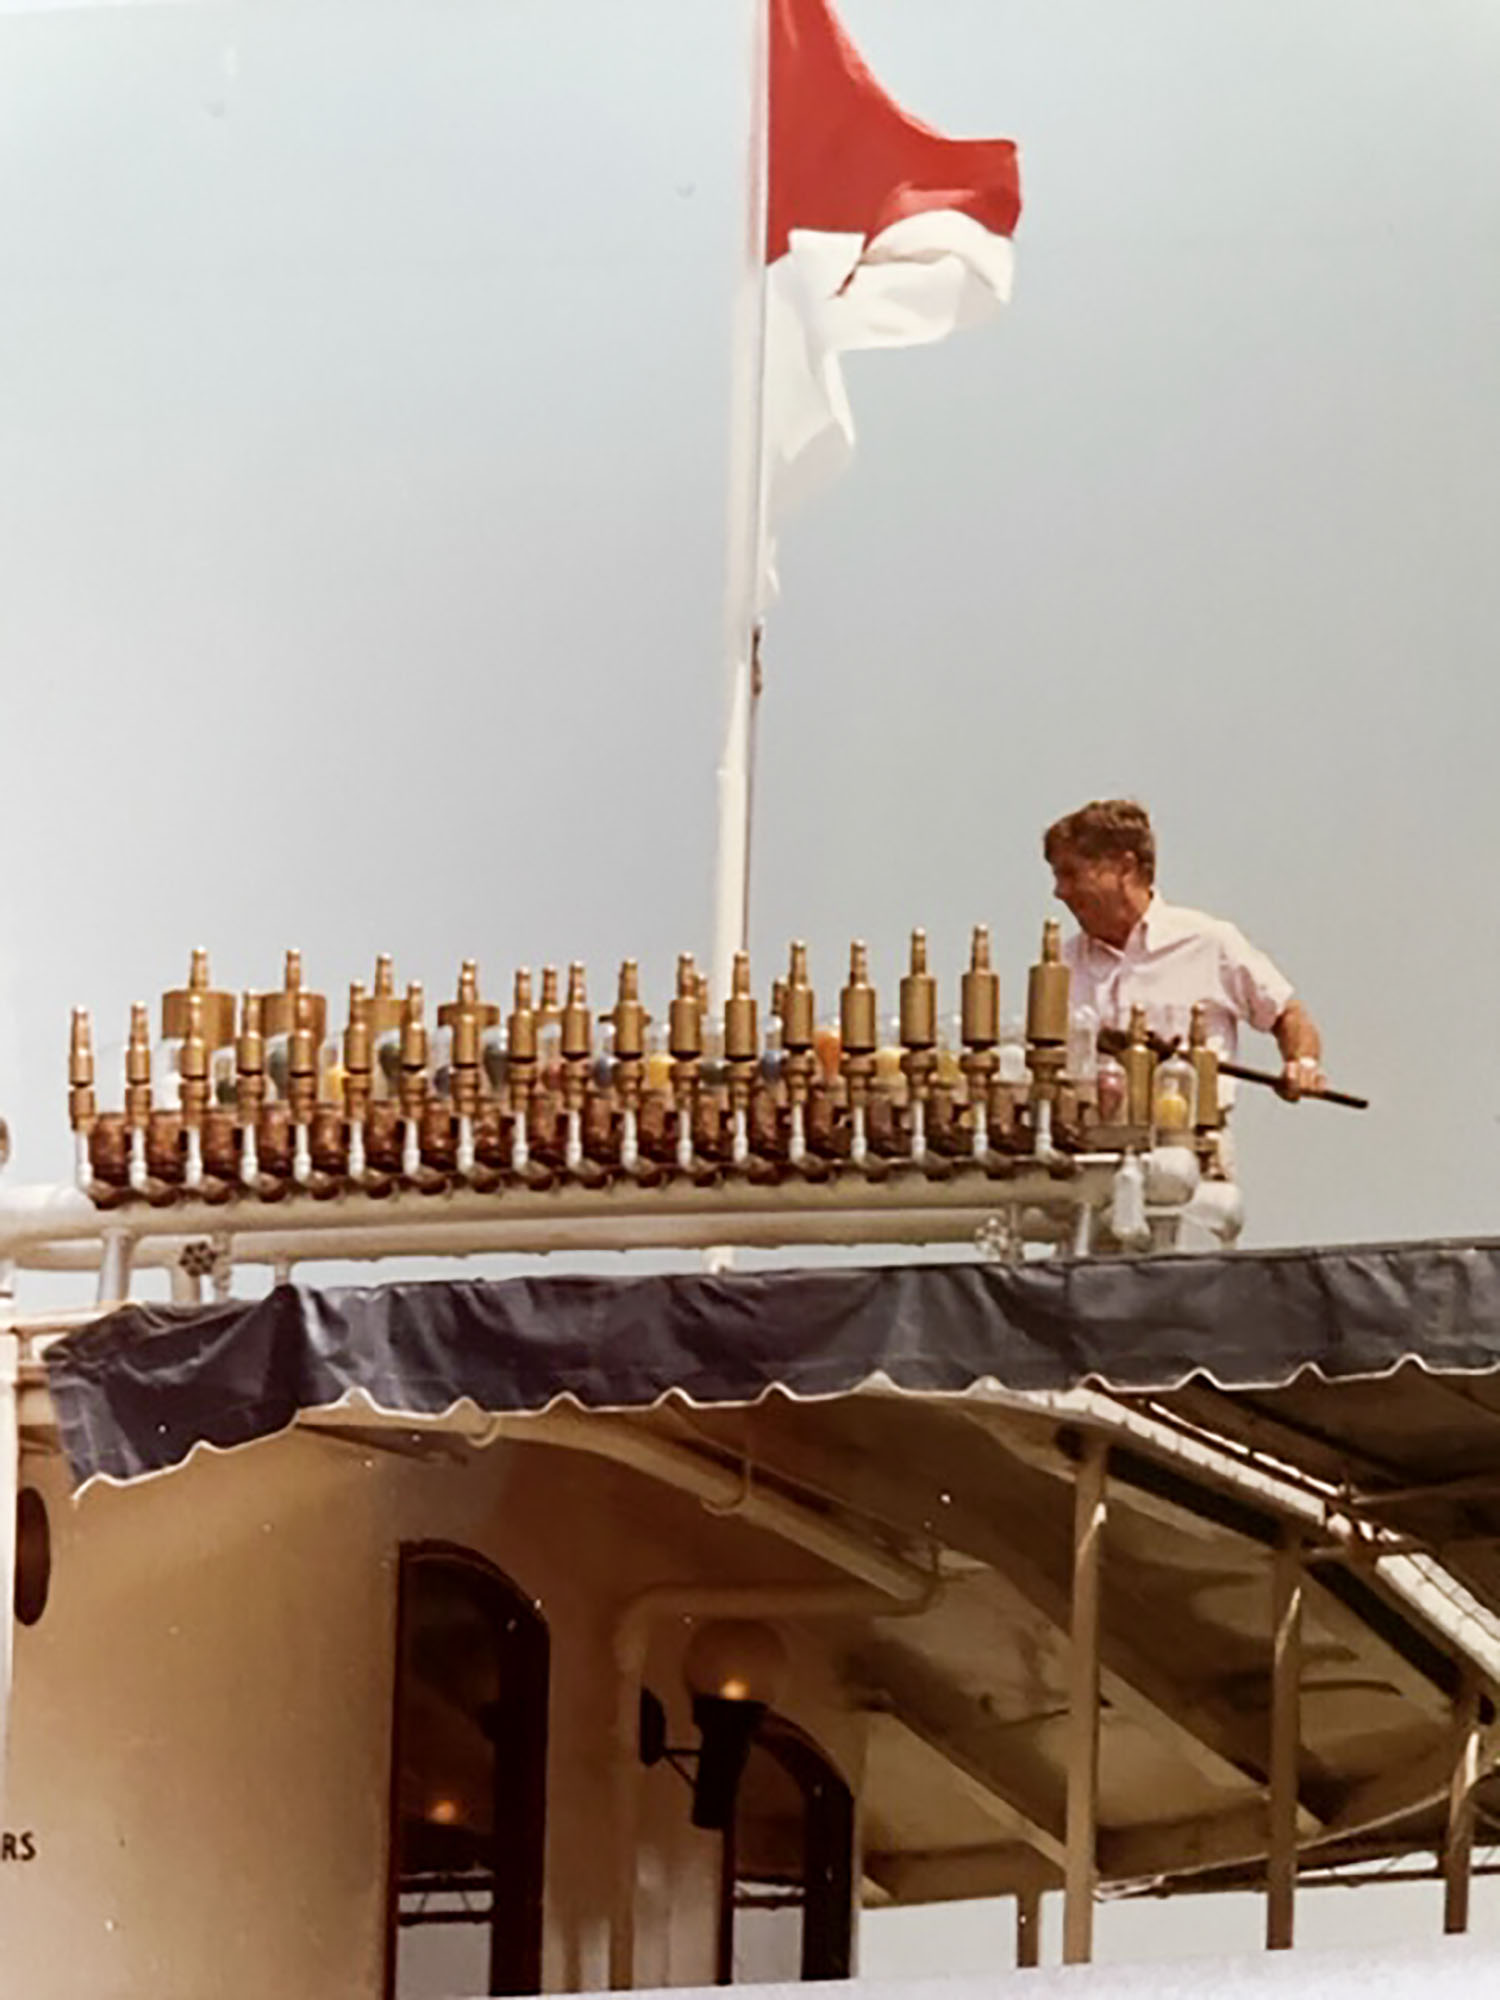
x=880 y=232
x=866 y=229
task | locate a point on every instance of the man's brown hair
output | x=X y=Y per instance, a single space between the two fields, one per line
x=1105 y=828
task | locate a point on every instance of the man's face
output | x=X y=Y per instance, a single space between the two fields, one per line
x=1098 y=892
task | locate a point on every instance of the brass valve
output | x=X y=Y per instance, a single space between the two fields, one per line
x=547 y=1007
x=741 y=1015
x=138 y=1067
x=520 y=1025
x=980 y=995
x=859 y=1031
x=216 y=1012
x=359 y=1054
x=302 y=1063
x=1139 y=1064
x=413 y=1051
x=466 y=1017
x=83 y=1105
x=918 y=999
x=799 y=1005
x=385 y=1003
x=520 y=1043
x=192 y=1067
x=279 y=1010
x=629 y=1016
x=1047 y=1008
x=685 y=1016
x=249 y=1062
x=577 y=1021
x=467 y=1003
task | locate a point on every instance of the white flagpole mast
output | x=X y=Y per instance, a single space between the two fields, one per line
x=745 y=523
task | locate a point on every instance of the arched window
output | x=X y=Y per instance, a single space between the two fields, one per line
x=468 y=1786
x=786 y=1906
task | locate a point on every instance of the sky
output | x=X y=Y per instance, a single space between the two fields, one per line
x=364 y=377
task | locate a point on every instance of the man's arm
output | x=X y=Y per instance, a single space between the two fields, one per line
x=1301 y=1049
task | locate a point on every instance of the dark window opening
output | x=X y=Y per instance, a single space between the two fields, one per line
x=786 y=1907
x=468 y=1789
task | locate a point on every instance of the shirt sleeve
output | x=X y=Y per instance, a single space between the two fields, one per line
x=1258 y=990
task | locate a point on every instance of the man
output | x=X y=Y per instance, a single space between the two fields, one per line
x=1135 y=950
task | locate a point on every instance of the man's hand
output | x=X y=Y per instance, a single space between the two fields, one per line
x=1301 y=1077
x=1301 y=1049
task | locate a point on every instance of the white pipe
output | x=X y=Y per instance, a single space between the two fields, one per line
x=60 y=1228
x=630 y=1145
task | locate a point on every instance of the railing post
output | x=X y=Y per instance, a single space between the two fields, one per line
x=1081 y=1856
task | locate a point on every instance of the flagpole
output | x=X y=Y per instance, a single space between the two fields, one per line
x=745 y=523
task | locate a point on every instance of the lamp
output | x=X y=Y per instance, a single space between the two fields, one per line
x=735 y=1668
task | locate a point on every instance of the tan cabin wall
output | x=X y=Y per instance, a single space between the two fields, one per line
x=200 y=1740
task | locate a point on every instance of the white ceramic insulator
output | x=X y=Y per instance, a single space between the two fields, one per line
x=740 y=1144
x=685 y=1139
x=192 y=1172
x=83 y=1171
x=520 y=1149
x=859 y=1144
x=138 y=1174
x=357 y=1148
x=249 y=1157
x=301 y=1156
x=465 y=1147
x=411 y=1148
x=918 y=1129
x=797 y=1144
x=630 y=1145
x=573 y=1144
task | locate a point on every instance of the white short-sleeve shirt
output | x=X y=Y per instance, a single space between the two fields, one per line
x=1172 y=960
